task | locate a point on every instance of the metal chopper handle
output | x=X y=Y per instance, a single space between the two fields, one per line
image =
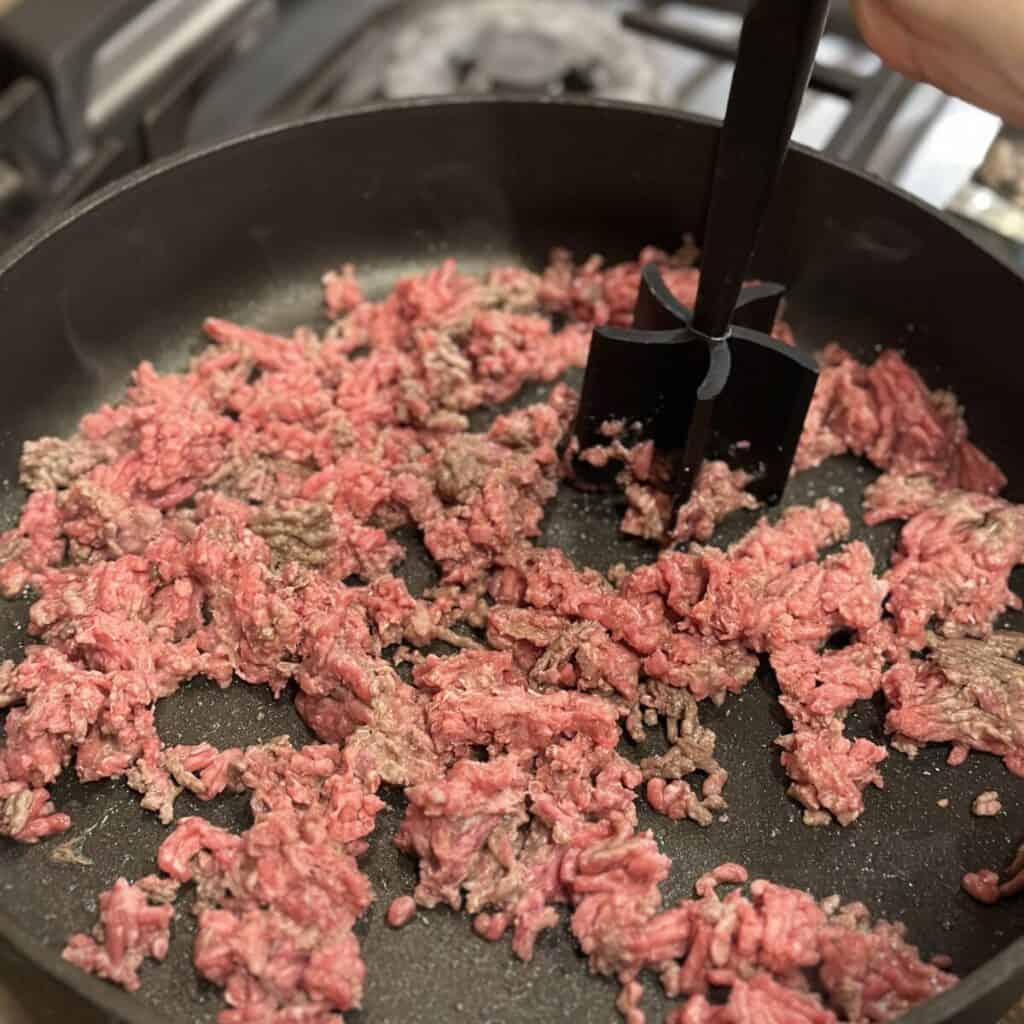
x=776 y=53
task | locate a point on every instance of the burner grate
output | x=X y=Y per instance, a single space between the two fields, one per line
x=871 y=97
x=517 y=47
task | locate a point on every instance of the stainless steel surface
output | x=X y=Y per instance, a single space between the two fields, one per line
x=145 y=48
x=994 y=197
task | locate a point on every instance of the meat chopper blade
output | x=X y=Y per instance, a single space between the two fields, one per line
x=713 y=381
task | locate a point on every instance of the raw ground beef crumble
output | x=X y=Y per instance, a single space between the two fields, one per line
x=238 y=521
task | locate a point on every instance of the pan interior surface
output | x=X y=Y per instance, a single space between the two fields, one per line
x=396 y=190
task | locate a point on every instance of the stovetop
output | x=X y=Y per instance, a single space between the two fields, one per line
x=90 y=89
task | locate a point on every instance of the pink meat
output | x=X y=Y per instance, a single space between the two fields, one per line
x=886 y=413
x=953 y=562
x=341 y=290
x=986 y=886
x=818 y=687
x=829 y=771
x=645 y=479
x=28 y=815
x=130 y=929
x=765 y=591
x=969 y=697
x=717 y=492
x=701 y=665
x=898 y=497
x=761 y=947
x=595 y=294
x=33 y=545
x=518 y=719
x=464 y=831
x=293 y=873
x=238 y=520
x=761 y=1000
x=875 y=974
x=544 y=578
x=554 y=653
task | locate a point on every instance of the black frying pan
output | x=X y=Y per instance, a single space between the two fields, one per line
x=243 y=231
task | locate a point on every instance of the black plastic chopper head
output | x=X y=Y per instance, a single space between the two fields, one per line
x=713 y=382
x=742 y=397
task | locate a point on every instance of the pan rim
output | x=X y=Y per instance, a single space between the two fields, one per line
x=194 y=154
x=982 y=982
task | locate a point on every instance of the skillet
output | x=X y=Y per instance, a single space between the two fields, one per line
x=243 y=230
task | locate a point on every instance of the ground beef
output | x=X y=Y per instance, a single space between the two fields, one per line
x=986 y=887
x=717 y=492
x=238 y=521
x=646 y=482
x=751 y=1002
x=295 y=531
x=51 y=463
x=829 y=771
x=134 y=924
x=818 y=687
x=691 y=748
x=27 y=814
x=867 y=972
x=592 y=293
x=705 y=667
x=342 y=293
x=953 y=563
x=580 y=656
x=892 y=496
x=887 y=414
x=767 y=590
x=401 y=911
x=968 y=693
x=290 y=884
x=32 y=546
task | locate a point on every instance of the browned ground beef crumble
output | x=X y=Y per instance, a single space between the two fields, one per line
x=237 y=521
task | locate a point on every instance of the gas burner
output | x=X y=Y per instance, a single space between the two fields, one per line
x=524 y=47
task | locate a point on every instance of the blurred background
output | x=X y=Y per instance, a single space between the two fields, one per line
x=90 y=89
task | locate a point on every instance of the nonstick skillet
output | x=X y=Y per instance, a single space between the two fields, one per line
x=243 y=231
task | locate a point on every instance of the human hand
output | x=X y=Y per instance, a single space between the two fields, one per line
x=972 y=50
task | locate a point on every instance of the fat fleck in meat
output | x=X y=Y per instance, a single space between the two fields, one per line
x=239 y=520
x=986 y=805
